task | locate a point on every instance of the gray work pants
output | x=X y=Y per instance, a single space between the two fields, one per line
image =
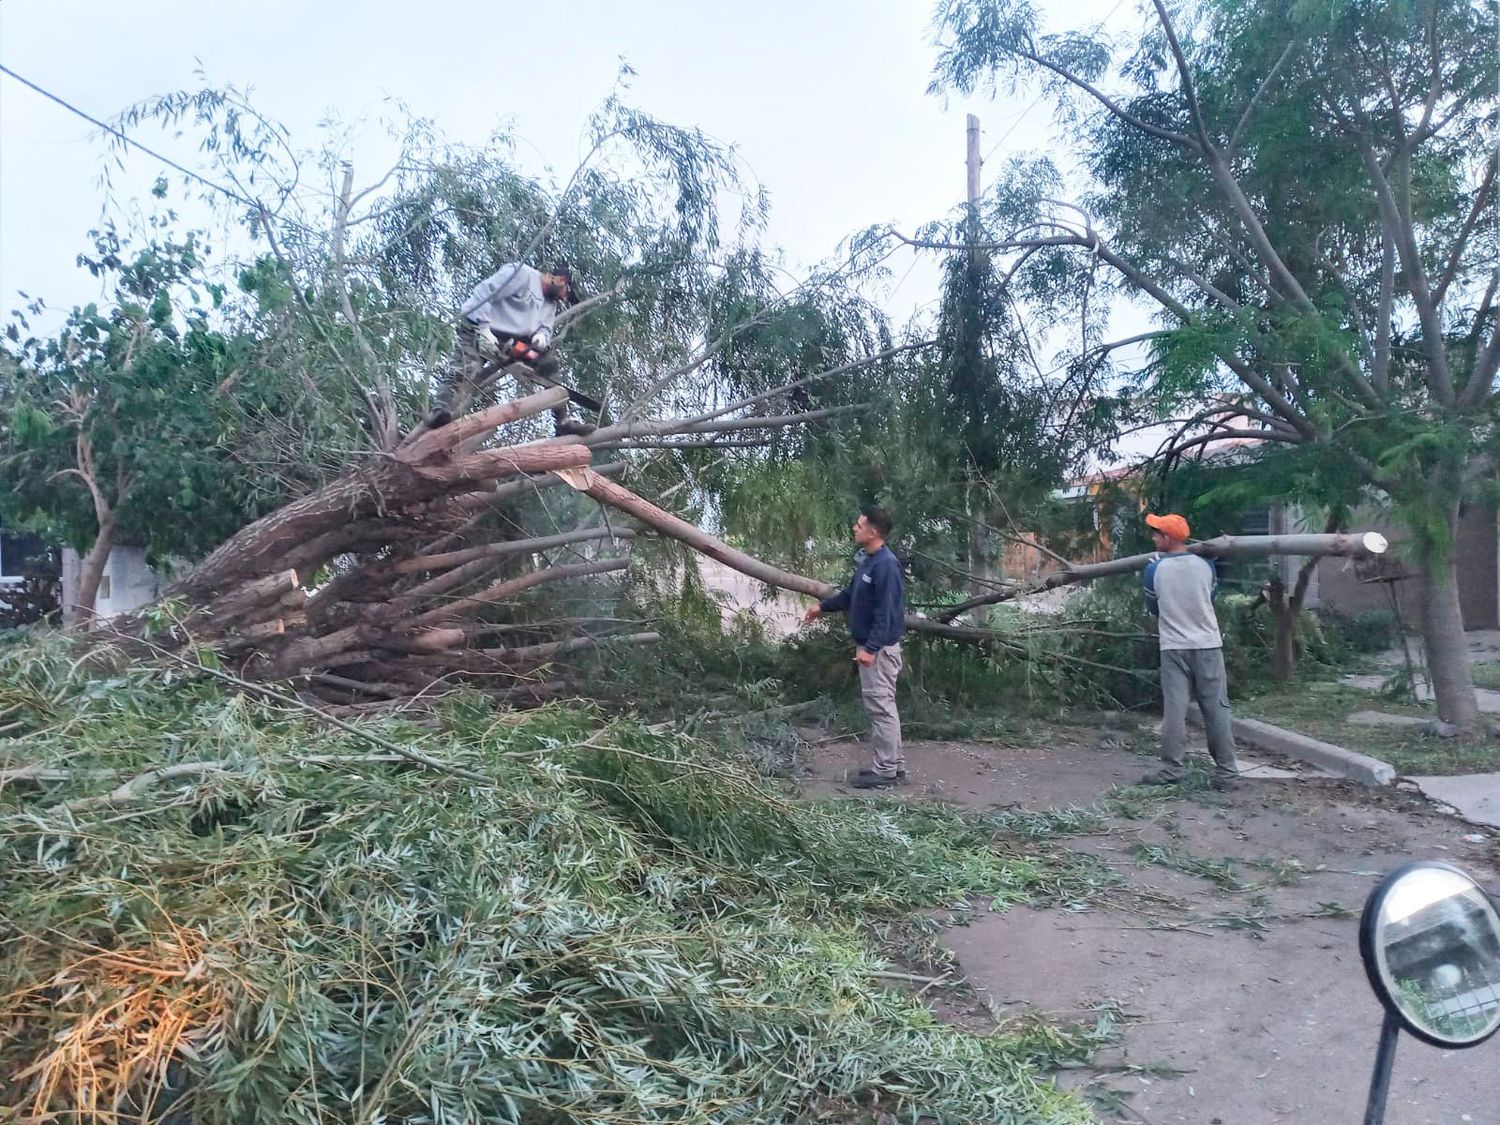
x=1196 y=673
x=877 y=687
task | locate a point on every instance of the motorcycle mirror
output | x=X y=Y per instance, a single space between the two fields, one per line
x=1430 y=939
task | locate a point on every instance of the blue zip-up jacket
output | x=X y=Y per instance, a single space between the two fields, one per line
x=875 y=600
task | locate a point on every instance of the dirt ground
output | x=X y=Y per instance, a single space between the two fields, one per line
x=1231 y=947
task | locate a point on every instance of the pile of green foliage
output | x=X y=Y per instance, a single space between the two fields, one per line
x=620 y=925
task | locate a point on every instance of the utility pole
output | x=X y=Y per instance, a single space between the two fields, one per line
x=979 y=563
x=974 y=161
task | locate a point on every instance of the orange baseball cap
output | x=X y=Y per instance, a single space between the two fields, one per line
x=1173 y=525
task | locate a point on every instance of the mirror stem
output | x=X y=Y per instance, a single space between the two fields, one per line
x=1380 y=1081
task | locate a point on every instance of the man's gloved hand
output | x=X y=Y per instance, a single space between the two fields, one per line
x=541 y=339
x=486 y=344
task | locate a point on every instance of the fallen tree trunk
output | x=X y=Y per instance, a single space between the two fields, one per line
x=607 y=492
x=382 y=585
x=1352 y=545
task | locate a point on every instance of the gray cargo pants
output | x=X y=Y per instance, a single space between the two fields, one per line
x=1189 y=673
x=877 y=687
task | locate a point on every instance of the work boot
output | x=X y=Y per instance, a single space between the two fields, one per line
x=438 y=417
x=876 y=781
x=1161 y=777
x=867 y=772
x=1225 y=782
x=572 y=427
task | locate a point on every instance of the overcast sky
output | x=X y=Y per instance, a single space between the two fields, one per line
x=824 y=98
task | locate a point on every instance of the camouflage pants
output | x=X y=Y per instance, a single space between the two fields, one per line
x=465 y=385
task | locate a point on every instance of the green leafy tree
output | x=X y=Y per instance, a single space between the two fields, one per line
x=120 y=427
x=1306 y=194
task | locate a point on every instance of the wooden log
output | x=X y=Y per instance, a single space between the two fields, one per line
x=429 y=443
x=534 y=654
x=317 y=551
x=309 y=654
x=482 y=560
x=526 y=486
x=510 y=461
x=502 y=590
x=365 y=687
x=261 y=631
x=1366 y=544
x=257 y=592
x=418 y=564
x=252 y=635
x=430 y=640
x=408 y=480
x=607 y=492
x=254 y=598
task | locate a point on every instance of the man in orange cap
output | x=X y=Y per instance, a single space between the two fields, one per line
x=1179 y=591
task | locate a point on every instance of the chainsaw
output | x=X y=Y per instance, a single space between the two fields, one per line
x=523 y=352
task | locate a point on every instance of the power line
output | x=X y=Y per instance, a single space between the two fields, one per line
x=1043 y=94
x=167 y=160
x=1019 y=118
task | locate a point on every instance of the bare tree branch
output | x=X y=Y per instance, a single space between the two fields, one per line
x=1108 y=103
x=1461 y=241
x=1189 y=92
x=1266 y=84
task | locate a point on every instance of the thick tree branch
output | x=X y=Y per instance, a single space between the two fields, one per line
x=1226 y=432
x=1108 y=103
x=1400 y=232
x=462 y=607
x=1380 y=367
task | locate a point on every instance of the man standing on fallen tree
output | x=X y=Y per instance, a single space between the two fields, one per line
x=508 y=319
x=1179 y=591
x=876 y=604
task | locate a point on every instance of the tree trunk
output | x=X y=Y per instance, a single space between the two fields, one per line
x=90 y=572
x=978 y=555
x=1284 y=645
x=1286 y=622
x=1443 y=635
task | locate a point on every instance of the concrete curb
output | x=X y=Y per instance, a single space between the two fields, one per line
x=1325 y=755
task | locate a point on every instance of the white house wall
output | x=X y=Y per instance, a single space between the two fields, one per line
x=132 y=583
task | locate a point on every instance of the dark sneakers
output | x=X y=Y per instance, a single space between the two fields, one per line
x=900 y=774
x=1221 y=783
x=438 y=417
x=876 y=781
x=572 y=427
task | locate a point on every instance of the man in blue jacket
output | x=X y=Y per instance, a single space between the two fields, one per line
x=876 y=604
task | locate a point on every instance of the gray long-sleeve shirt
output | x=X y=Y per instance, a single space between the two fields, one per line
x=1180 y=591
x=510 y=302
